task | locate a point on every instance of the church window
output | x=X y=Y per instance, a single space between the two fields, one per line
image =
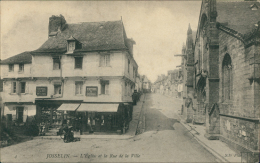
x=227 y=80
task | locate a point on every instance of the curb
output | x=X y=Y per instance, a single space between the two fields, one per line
x=118 y=137
x=212 y=151
x=141 y=123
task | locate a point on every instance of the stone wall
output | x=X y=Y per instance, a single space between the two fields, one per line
x=240 y=131
x=238 y=121
x=242 y=100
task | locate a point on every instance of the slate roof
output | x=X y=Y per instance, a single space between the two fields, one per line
x=93 y=36
x=238 y=15
x=24 y=57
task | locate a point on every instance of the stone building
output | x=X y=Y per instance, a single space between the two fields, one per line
x=146 y=85
x=187 y=68
x=226 y=78
x=85 y=71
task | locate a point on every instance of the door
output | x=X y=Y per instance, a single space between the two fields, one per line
x=20 y=114
x=98 y=123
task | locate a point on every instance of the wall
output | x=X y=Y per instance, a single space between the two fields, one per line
x=240 y=126
x=28 y=96
x=42 y=66
x=90 y=66
x=129 y=74
x=240 y=131
x=242 y=103
x=115 y=91
x=29 y=110
x=16 y=74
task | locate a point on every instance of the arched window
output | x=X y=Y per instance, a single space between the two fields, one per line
x=202 y=42
x=227 y=81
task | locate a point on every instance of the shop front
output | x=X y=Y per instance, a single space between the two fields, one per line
x=103 y=117
x=51 y=114
x=84 y=117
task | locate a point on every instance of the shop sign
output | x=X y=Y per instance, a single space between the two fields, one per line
x=91 y=91
x=41 y=91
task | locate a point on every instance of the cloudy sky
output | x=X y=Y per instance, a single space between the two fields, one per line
x=158 y=27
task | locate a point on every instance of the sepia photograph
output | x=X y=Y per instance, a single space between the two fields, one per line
x=130 y=81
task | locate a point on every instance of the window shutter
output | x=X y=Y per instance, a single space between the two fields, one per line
x=9 y=86
x=26 y=87
x=107 y=89
x=18 y=87
x=100 y=59
x=107 y=59
x=25 y=113
x=75 y=88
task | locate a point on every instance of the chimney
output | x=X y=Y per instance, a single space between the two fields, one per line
x=56 y=24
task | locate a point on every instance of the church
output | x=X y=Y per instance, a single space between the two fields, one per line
x=221 y=63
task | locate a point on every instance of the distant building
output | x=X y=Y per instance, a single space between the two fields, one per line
x=146 y=85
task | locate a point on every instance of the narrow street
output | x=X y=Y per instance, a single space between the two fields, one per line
x=164 y=140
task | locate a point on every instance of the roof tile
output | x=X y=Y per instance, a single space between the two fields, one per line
x=92 y=35
x=238 y=15
x=24 y=57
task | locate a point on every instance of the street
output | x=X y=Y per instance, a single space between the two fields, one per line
x=164 y=140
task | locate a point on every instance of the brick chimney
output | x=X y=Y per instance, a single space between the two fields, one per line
x=56 y=24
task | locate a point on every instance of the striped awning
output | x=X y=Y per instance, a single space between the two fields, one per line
x=98 y=107
x=68 y=107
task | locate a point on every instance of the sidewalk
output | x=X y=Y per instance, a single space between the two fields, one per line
x=216 y=147
x=129 y=133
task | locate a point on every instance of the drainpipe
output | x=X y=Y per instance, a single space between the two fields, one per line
x=62 y=90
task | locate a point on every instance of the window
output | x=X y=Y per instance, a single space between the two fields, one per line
x=11 y=67
x=133 y=72
x=22 y=87
x=19 y=114
x=104 y=60
x=227 y=83
x=104 y=87
x=71 y=46
x=14 y=87
x=57 y=89
x=56 y=63
x=78 y=87
x=1 y=85
x=128 y=68
x=78 y=62
x=21 y=67
x=126 y=89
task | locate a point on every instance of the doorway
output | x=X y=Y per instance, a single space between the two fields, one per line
x=20 y=114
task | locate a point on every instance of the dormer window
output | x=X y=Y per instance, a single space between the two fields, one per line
x=71 y=47
x=73 y=44
x=254 y=7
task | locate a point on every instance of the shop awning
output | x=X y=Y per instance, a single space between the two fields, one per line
x=98 y=107
x=68 y=107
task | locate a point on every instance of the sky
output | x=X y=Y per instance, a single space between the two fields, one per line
x=159 y=28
